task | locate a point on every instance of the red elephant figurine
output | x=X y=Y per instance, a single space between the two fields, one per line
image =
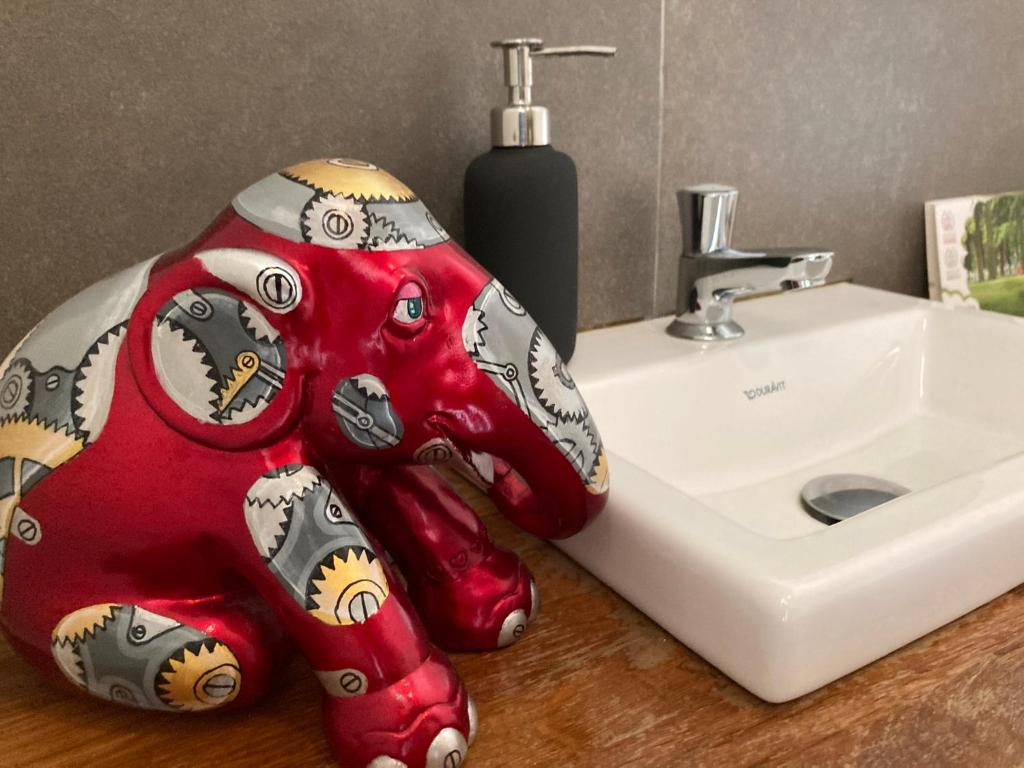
x=206 y=459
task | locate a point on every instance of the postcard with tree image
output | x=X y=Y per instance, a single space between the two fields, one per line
x=976 y=251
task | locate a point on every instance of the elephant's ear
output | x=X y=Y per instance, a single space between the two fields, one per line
x=210 y=346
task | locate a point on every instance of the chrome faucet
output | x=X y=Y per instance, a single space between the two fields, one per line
x=712 y=273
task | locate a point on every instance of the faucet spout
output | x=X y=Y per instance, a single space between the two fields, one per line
x=767 y=271
x=712 y=273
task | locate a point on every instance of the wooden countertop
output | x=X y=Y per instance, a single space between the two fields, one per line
x=594 y=683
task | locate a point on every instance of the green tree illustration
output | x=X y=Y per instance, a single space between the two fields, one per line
x=994 y=238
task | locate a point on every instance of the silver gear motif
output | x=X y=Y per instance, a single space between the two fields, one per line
x=268 y=504
x=473 y=331
x=94 y=384
x=335 y=222
x=15 y=389
x=257 y=326
x=383 y=235
x=552 y=383
x=365 y=414
x=185 y=371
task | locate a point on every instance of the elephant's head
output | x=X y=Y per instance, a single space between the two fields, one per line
x=328 y=301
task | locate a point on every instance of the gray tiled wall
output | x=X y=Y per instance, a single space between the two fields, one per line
x=837 y=120
x=125 y=126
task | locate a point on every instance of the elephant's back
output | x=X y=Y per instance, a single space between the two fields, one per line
x=56 y=388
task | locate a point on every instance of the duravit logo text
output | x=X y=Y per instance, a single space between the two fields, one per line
x=768 y=389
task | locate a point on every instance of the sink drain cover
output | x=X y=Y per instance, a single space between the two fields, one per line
x=832 y=498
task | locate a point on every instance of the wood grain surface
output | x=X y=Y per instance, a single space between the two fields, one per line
x=593 y=683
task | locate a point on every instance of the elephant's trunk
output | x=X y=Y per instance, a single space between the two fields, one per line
x=546 y=504
x=554 y=474
x=532 y=483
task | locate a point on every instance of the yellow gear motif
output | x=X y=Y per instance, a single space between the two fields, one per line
x=29 y=439
x=83 y=623
x=205 y=679
x=247 y=365
x=599 y=479
x=360 y=181
x=353 y=587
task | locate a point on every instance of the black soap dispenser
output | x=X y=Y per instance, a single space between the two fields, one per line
x=521 y=200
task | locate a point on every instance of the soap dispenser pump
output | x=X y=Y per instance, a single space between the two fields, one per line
x=521 y=200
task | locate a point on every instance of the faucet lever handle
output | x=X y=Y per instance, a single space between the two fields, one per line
x=706 y=212
x=577 y=50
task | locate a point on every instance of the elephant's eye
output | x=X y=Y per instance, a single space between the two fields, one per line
x=409 y=308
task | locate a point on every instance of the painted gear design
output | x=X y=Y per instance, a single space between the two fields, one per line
x=283 y=485
x=15 y=389
x=552 y=383
x=257 y=326
x=340 y=203
x=269 y=502
x=335 y=221
x=217 y=356
x=384 y=235
x=202 y=675
x=185 y=370
x=473 y=328
x=84 y=623
x=94 y=383
x=599 y=478
x=314 y=546
x=350 y=588
x=364 y=412
x=580 y=446
x=347 y=176
x=33 y=450
x=130 y=655
x=511 y=302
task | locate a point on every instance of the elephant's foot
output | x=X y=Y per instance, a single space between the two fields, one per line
x=486 y=606
x=425 y=720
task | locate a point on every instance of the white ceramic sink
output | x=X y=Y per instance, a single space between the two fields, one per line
x=710 y=444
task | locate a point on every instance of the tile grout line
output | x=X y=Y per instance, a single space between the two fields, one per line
x=658 y=170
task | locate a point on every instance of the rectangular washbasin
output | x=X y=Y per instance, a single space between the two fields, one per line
x=710 y=445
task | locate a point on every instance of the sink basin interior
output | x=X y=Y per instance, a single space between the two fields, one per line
x=901 y=391
x=710 y=445
x=923 y=450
